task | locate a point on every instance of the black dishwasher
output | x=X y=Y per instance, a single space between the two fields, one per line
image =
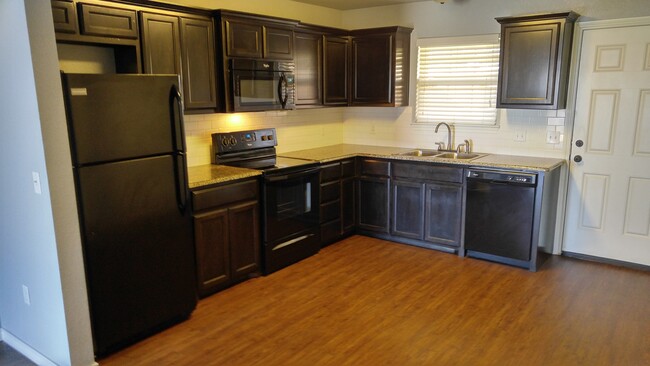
x=499 y=215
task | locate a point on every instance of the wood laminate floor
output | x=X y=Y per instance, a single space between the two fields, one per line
x=365 y=301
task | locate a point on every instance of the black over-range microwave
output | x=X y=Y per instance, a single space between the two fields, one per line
x=262 y=85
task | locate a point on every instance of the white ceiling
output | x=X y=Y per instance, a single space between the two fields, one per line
x=355 y=4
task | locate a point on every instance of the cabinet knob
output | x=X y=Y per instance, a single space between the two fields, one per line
x=579 y=143
x=577 y=158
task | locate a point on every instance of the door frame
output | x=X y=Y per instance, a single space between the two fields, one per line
x=572 y=95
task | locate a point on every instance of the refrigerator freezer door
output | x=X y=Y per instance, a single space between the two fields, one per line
x=116 y=117
x=138 y=247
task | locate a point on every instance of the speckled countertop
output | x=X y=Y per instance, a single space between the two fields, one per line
x=335 y=152
x=205 y=175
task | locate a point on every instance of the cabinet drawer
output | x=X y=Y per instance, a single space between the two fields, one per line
x=330 y=211
x=330 y=191
x=330 y=172
x=375 y=167
x=347 y=168
x=223 y=195
x=106 y=21
x=64 y=14
x=428 y=172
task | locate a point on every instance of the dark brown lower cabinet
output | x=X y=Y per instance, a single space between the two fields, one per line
x=408 y=209
x=373 y=204
x=444 y=213
x=227 y=238
x=410 y=202
x=337 y=200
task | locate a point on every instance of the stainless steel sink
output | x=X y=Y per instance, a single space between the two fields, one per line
x=420 y=152
x=444 y=155
x=458 y=156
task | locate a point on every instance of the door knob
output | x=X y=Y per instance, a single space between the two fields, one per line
x=577 y=158
x=579 y=143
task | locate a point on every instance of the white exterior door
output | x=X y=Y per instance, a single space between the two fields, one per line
x=608 y=203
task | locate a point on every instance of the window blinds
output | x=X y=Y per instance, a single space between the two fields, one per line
x=457 y=80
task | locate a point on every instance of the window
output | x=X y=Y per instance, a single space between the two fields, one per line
x=457 y=80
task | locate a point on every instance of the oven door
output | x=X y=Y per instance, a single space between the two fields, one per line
x=291 y=204
x=259 y=90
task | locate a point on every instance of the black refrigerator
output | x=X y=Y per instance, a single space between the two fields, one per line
x=128 y=153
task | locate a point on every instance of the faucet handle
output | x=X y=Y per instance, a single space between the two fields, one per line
x=468 y=146
x=458 y=148
x=441 y=145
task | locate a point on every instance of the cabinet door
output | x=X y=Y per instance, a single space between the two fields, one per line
x=160 y=44
x=443 y=216
x=278 y=43
x=243 y=39
x=211 y=231
x=372 y=70
x=529 y=64
x=309 y=48
x=97 y=20
x=64 y=15
x=347 y=205
x=336 y=52
x=373 y=204
x=199 y=82
x=244 y=239
x=408 y=209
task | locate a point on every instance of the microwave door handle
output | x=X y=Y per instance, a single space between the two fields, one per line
x=283 y=94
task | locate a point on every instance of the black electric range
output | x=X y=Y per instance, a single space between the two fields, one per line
x=290 y=194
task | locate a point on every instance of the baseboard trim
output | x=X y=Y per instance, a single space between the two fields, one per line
x=614 y=262
x=25 y=349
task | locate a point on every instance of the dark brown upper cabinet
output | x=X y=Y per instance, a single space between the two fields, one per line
x=198 y=64
x=380 y=67
x=309 y=68
x=336 y=59
x=534 y=60
x=108 y=21
x=182 y=44
x=161 y=43
x=253 y=36
x=65 y=16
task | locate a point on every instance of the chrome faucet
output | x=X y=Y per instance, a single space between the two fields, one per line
x=450 y=144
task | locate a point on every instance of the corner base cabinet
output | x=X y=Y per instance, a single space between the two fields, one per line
x=226 y=230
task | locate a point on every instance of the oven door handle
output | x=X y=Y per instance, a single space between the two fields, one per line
x=285 y=177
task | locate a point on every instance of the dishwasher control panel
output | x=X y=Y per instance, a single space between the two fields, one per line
x=502 y=176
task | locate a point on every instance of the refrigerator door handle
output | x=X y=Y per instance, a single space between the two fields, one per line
x=178 y=132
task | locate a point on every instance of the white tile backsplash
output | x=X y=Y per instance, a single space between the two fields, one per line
x=310 y=128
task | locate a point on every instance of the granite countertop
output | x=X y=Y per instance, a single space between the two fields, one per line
x=204 y=175
x=341 y=151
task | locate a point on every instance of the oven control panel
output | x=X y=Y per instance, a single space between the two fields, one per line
x=224 y=142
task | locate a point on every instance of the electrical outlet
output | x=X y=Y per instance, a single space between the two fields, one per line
x=553 y=137
x=520 y=136
x=26 y=298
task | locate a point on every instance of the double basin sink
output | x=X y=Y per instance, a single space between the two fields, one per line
x=441 y=155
